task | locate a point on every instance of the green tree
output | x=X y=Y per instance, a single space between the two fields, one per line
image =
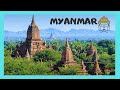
x=11 y=45
x=79 y=47
x=69 y=70
x=112 y=57
x=105 y=43
x=55 y=45
x=90 y=67
x=89 y=58
x=107 y=60
x=77 y=59
x=21 y=66
x=104 y=58
x=100 y=49
x=111 y=50
x=39 y=68
x=7 y=52
x=74 y=51
x=47 y=55
x=83 y=56
x=110 y=66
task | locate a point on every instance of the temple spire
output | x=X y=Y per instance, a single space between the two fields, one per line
x=91 y=44
x=97 y=70
x=33 y=21
x=67 y=55
x=83 y=65
x=67 y=44
x=28 y=55
x=95 y=56
x=84 y=68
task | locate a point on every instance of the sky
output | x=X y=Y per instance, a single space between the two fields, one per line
x=21 y=22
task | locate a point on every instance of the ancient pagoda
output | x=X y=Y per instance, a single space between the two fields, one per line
x=83 y=70
x=91 y=50
x=83 y=67
x=51 y=38
x=33 y=40
x=96 y=70
x=67 y=55
x=32 y=44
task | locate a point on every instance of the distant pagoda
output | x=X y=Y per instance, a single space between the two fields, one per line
x=91 y=50
x=51 y=38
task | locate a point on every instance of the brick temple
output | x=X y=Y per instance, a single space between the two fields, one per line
x=32 y=44
x=67 y=55
x=93 y=52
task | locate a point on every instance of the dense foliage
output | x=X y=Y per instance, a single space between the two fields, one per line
x=42 y=62
x=25 y=67
x=47 y=55
x=70 y=70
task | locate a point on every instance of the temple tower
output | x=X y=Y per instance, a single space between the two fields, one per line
x=91 y=50
x=97 y=70
x=33 y=40
x=32 y=44
x=83 y=66
x=67 y=55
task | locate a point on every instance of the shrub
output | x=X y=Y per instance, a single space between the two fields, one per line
x=69 y=70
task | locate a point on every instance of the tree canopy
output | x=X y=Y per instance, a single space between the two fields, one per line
x=47 y=55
